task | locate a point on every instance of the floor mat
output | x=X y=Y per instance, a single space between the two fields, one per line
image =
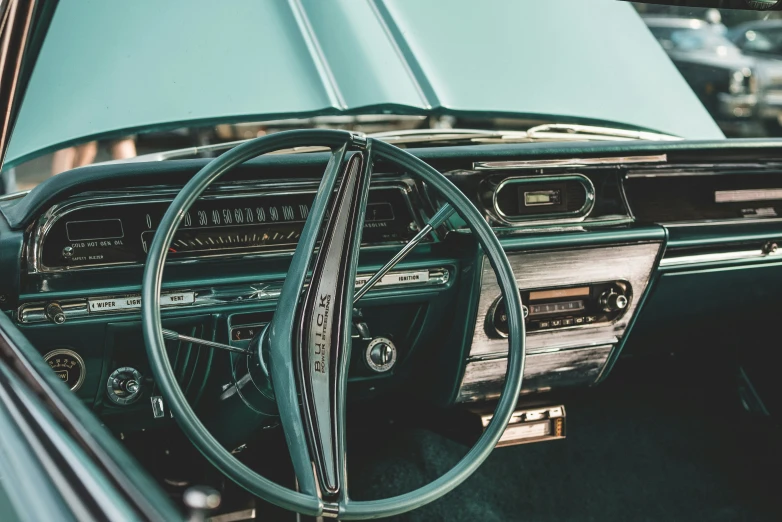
x=632 y=454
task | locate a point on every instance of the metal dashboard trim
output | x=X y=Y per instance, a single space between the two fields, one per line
x=717 y=257
x=554 y=268
x=571 y=356
x=567 y=163
x=32 y=312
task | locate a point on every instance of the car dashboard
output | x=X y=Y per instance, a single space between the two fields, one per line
x=619 y=250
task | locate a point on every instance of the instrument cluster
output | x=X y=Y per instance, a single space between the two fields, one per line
x=105 y=231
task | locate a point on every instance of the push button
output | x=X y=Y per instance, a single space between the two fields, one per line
x=567 y=322
x=556 y=322
x=579 y=320
x=545 y=324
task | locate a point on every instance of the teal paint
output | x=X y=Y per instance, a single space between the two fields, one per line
x=108 y=69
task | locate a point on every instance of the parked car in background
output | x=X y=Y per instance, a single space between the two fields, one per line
x=758 y=37
x=723 y=78
x=762 y=41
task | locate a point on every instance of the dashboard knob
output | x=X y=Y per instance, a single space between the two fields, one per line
x=612 y=301
x=380 y=355
x=54 y=313
x=124 y=386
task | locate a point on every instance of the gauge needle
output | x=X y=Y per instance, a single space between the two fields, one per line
x=173 y=251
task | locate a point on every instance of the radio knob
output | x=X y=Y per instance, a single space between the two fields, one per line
x=611 y=301
x=54 y=313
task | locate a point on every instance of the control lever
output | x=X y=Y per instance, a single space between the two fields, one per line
x=360 y=327
x=171 y=335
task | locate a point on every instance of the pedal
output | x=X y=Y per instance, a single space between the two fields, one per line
x=531 y=425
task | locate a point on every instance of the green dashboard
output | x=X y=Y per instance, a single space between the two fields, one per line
x=620 y=250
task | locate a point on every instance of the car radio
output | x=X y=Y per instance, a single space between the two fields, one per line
x=564 y=307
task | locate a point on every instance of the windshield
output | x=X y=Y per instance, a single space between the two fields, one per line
x=703 y=37
x=679 y=72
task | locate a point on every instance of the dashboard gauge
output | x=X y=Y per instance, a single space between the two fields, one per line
x=224 y=240
x=108 y=232
x=68 y=366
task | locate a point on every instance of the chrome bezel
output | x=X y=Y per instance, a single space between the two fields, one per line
x=79 y=360
x=41 y=229
x=567 y=163
x=377 y=367
x=576 y=216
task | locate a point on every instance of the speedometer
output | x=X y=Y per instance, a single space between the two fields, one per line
x=109 y=231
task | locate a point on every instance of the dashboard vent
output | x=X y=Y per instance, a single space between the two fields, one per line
x=191 y=363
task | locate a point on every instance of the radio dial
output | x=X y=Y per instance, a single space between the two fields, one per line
x=612 y=301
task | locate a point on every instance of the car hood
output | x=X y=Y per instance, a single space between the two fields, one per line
x=113 y=68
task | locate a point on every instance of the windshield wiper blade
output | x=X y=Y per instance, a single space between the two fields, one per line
x=440 y=135
x=551 y=131
x=579 y=132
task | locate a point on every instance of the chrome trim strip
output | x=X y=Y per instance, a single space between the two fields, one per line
x=716 y=257
x=611 y=339
x=734 y=221
x=579 y=367
x=14 y=195
x=558 y=217
x=570 y=162
x=100 y=305
x=702 y=169
x=34 y=312
x=744 y=195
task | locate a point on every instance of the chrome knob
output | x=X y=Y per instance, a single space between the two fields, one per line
x=380 y=355
x=612 y=301
x=54 y=313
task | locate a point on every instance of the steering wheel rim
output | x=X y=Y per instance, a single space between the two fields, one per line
x=314 y=505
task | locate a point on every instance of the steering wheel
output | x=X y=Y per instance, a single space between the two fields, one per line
x=307 y=344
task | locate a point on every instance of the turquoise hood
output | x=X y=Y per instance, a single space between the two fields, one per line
x=113 y=68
